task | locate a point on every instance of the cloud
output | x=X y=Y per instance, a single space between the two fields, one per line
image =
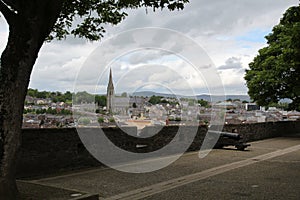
x=231 y=63
x=57 y=77
x=3 y=33
x=230 y=33
x=146 y=56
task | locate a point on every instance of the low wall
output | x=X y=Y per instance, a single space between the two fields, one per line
x=259 y=131
x=46 y=151
x=51 y=150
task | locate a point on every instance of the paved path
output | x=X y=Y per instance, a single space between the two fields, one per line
x=269 y=169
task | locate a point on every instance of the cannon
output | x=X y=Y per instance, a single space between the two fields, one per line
x=230 y=139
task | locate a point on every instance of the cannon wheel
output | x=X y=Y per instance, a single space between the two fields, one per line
x=241 y=147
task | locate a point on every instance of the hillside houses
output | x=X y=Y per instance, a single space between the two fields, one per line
x=44 y=113
x=39 y=113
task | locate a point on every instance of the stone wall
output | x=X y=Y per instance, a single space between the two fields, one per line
x=259 y=131
x=45 y=151
x=51 y=150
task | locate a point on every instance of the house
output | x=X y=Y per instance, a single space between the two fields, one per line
x=251 y=106
x=226 y=105
x=293 y=115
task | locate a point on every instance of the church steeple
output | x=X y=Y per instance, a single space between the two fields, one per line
x=110 y=93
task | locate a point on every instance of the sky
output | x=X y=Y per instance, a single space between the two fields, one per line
x=226 y=36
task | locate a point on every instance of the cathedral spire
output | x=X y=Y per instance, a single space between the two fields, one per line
x=110 y=93
x=110 y=78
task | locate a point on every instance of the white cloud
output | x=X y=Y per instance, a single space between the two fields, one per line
x=231 y=63
x=57 y=77
x=3 y=33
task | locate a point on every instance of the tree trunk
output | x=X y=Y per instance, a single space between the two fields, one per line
x=27 y=32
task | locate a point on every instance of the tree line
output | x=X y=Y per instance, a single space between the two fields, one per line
x=48 y=111
x=68 y=97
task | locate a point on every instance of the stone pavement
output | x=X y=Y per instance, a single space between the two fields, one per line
x=33 y=191
x=269 y=169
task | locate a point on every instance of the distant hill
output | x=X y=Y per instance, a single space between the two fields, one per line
x=149 y=94
x=221 y=98
x=205 y=97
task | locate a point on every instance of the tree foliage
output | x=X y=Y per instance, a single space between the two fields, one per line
x=54 y=96
x=66 y=97
x=274 y=73
x=100 y=100
x=85 y=18
x=203 y=103
x=48 y=111
x=155 y=100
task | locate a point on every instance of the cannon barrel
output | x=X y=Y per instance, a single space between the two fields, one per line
x=231 y=135
x=227 y=139
x=227 y=134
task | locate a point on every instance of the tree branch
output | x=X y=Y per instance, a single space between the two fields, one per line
x=6 y=11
